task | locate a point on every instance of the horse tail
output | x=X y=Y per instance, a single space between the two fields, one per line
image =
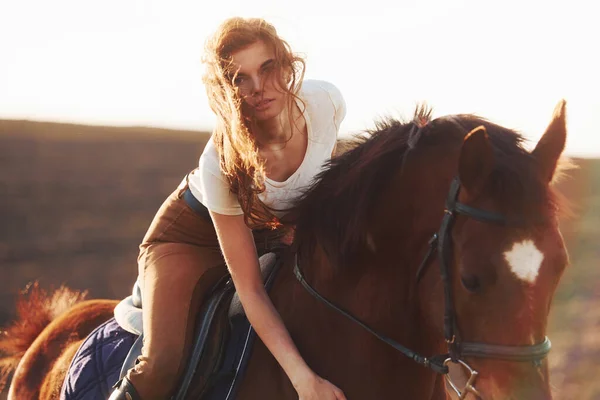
x=35 y=309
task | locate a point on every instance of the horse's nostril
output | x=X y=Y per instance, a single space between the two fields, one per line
x=471 y=283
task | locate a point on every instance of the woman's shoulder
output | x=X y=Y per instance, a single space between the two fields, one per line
x=324 y=98
x=209 y=159
x=210 y=150
x=320 y=90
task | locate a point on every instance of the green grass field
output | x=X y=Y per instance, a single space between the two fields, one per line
x=76 y=201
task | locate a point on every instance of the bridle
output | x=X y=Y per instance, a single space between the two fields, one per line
x=457 y=350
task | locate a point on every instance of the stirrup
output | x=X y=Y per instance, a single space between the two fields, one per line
x=124 y=390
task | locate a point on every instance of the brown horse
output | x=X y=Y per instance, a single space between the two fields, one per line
x=440 y=235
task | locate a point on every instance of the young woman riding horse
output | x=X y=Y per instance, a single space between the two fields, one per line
x=274 y=132
x=431 y=242
x=439 y=236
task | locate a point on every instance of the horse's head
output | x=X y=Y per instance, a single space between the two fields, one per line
x=504 y=256
x=364 y=225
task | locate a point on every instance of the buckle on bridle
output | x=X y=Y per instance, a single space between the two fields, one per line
x=469 y=386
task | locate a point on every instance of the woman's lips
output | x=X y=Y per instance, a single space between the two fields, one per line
x=263 y=104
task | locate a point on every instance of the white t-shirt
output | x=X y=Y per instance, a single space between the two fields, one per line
x=325 y=111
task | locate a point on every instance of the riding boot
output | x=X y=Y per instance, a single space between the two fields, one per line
x=124 y=391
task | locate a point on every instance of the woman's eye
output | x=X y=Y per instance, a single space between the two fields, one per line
x=267 y=69
x=239 y=80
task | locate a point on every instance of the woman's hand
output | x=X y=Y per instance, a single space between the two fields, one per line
x=317 y=388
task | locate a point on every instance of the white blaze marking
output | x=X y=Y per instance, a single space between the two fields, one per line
x=524 y=260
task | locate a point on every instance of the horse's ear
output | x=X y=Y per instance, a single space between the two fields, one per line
x=551 y=145
x=476 y=160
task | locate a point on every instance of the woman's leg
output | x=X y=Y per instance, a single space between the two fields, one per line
x=180 y=261
x=175 y=277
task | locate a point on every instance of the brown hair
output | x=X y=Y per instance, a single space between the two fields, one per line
x=233 y=139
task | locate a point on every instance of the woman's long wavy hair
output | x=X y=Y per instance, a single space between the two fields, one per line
x=233 y=138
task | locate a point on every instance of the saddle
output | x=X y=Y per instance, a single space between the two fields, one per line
x=223 y=338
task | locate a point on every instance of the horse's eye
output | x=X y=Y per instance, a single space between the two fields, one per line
x=470 y=282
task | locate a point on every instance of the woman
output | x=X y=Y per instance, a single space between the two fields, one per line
x=274 y=131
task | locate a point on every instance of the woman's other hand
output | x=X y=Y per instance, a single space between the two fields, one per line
x=316 y=388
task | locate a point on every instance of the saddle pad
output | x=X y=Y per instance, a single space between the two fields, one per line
x=128 y=315
x=97 y=363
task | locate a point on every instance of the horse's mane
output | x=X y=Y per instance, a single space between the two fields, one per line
x=334 y=210
x=338 y=201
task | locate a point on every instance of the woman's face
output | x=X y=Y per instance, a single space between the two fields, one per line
x=258 y=81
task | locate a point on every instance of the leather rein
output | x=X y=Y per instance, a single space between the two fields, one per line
x=442 y=243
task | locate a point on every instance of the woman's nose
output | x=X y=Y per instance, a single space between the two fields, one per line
x=256 y=85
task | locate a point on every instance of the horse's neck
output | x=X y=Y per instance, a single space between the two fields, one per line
x=380 y=289
x=404 y=221
x=411 y=209
x=380 y=286
x=341 y=350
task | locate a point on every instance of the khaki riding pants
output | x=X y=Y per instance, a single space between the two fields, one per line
x=179 y=261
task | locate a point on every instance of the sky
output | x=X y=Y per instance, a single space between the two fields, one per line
x=130 y=62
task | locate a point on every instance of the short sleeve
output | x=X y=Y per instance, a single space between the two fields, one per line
x=339 y=105
x=210 y=186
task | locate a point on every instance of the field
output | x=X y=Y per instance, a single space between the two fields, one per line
x=75 y=202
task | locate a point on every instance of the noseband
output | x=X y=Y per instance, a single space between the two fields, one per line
x=442 y=242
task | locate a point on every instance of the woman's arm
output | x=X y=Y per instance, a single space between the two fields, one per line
x=237 y=245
